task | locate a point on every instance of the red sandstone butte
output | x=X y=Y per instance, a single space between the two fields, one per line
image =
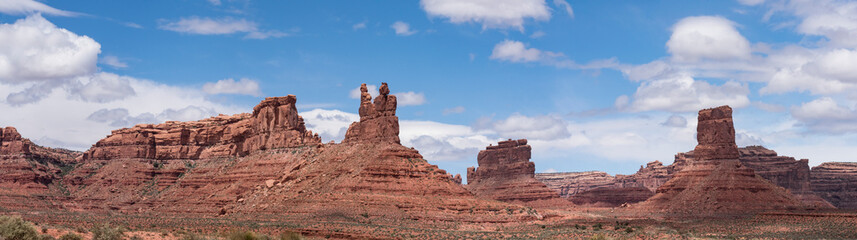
x=716 y=181
x=612 y=196
x=266 y=162
x=505 y=173
x=274 y=123
x=378 y=121
x=836 y=182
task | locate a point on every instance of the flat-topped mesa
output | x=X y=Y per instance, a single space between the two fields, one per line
x=716 y=134
x=274 y=123
x=378 y=121
x=836 y=182
x=505 y=173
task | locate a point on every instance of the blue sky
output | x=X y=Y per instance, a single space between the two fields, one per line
x=595 y=85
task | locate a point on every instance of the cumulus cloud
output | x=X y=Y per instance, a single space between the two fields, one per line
x=518 y=52
x=685 y=94
x=410 y=98
x=402 y=28
x=711 y=37
x=355 y=93
x=221 y=26
x=244 y=86
x=826 y=115
x=499 y=14
x=28 y=7
x=113 y=61
x=102 y=87
x=544 y=127
x=329 y=124
x=35 y=49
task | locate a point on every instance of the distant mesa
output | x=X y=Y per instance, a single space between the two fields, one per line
x=836 y=182
x=505 y=173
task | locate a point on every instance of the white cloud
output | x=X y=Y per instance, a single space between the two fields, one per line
x=826 y=115
x=402 y=29
x=517 y=52
x=34 y=49
x=410 y=98
x=329 y=124
x=28 y=7
x=455 y=110
x=500 y=14
x=544 y=127
x=743 y=139
x=113 y=61
x=244 y=86
x=214 y=2
x=675 y=121
x=840 y=64
x=537 y=34
x=355 y=93
x=565 y=6
x=221 y=26
x=701 y=37
x=358 y=26
x=685 y=94
x=102 y=87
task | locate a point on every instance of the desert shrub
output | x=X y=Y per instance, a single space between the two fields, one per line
x=136 y=237
x=245 y=235
x=629 y=229
x=70 y=236
x=105 y=232
x=16 y=228
x=598 y=237
x=597 y=227
x=291 y=236
x=192 y=236
x=46 y=237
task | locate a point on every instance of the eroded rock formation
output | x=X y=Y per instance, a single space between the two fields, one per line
x=274 y=123
x=716 y=181
x=378 y=121
x=505 y=173
x=836 y=182
x=27 y=169
x=612 y=196
x=571 y=183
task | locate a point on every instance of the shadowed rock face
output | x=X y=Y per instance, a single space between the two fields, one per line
x=378 y=121
x=716 y=181
x=505 y=173
x=274 y=123
x=612 y=196
x=836 y=182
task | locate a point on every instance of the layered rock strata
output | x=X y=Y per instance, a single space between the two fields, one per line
x=716 y=181
x=505 y=173
x=27 y=169
x=836 y=182
x=378 y=121
x=612 y=196
x=570 y=183
x=274 y=123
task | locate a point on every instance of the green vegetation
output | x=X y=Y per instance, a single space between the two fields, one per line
x=247 y=235
x=17 y=228
x=70 y=236
x=106 y=232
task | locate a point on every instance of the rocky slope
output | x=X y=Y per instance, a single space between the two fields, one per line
x=716 y=181
x=267 y=162
x=27 y=169
x=836 y=182
x=505 y=173
x=571 y=183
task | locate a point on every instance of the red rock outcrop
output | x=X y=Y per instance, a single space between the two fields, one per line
x=716 y=181
x=651 y=177
x=783 y=171
x=571 y=183
x=836 y=182
x=28 y=170
x=505 y=173
x=612 y=196
x=378 y=121
x=274 y=123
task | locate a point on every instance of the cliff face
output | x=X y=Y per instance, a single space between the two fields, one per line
x=836 y=182
x=378 y=121
x=26 y=168
x=274 y=123
x=505 y=173
x=571 y=183
x=716 y=181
